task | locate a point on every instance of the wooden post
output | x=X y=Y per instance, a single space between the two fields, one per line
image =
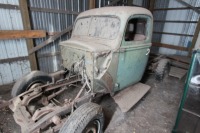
x=130 y=2
x=91 y=4
x=27 y=26
x=194 y=39
x=151 y=5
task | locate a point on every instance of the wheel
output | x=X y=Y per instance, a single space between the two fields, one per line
x=161 y=69
x=29 y=81
x=88 y=118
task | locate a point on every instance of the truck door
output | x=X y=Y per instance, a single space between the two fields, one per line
x=134 y=51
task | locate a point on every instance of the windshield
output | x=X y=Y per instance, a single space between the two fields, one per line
x=96 y=26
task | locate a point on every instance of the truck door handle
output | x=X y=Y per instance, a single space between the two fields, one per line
x=148 y=51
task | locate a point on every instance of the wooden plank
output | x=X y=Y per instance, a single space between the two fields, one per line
x=16 y=34
x=151 y=5
x=53 y=10
x=91 y=4
x=172 y=21
x=9 y=6
x=52 y=33
x=177 y=72
x=176 y=34
x=180 y=64
x=170 y=46
x=27 y=26
x=9 y=60
x=184 y=59
x=49 y=40
x=48 y=54
x=180 y=8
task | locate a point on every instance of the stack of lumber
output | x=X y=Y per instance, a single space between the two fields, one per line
x=179 y=66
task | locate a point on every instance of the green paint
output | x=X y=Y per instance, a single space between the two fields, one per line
x=186 y=87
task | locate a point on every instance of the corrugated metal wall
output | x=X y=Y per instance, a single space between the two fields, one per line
x=11 y=20
x=49 y=56
x=102 y=3
x=180 y=28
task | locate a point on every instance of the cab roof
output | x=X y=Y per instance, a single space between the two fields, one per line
x=120 y=11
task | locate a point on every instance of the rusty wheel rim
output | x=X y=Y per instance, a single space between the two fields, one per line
x=93 y=127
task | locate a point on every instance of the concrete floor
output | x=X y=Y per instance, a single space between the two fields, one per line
x=155 y=113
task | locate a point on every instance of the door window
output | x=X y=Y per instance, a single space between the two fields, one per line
x=136 y=29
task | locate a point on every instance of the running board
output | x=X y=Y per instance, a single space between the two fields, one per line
x=128 y=97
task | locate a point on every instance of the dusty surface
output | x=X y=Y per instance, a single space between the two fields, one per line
x=7 y=123
x=155 y=113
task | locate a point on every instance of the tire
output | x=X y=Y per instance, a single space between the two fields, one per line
x=28 y=80
x=161 y=69
x=84 y=118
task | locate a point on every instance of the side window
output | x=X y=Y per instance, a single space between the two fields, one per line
x=136 y=29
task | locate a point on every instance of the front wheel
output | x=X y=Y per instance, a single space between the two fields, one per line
x=88 y=118
x=29 y=81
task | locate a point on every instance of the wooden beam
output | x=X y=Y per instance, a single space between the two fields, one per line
x=176 y=34
x=174 y=21
x=48 y=54
x=189 y=6
x=49 y=40
x=91 y=4
x=183 y=59
x=179 y=64
x=194 y=39
x=170 y=46
x=9 y=60
x=9 y=6
x=180 y=8
x=53 y=10
x=16 y=34
x=151 y=5
x=52 y=33
x=27 y=26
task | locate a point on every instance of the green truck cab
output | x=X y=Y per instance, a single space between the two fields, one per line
x=114 y=42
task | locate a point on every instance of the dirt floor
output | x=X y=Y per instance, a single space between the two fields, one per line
x=155 y=113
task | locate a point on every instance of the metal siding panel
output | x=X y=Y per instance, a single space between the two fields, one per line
x=16 y=70
x=6 y=73
x=3 y=53
x=11 y=20
x=25 y=66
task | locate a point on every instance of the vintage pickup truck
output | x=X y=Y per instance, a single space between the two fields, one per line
x=106 y=54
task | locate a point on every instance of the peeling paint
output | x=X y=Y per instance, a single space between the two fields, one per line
x=98 y=39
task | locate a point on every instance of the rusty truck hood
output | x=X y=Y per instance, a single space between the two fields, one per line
x=86 y=45
x=96 y=56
